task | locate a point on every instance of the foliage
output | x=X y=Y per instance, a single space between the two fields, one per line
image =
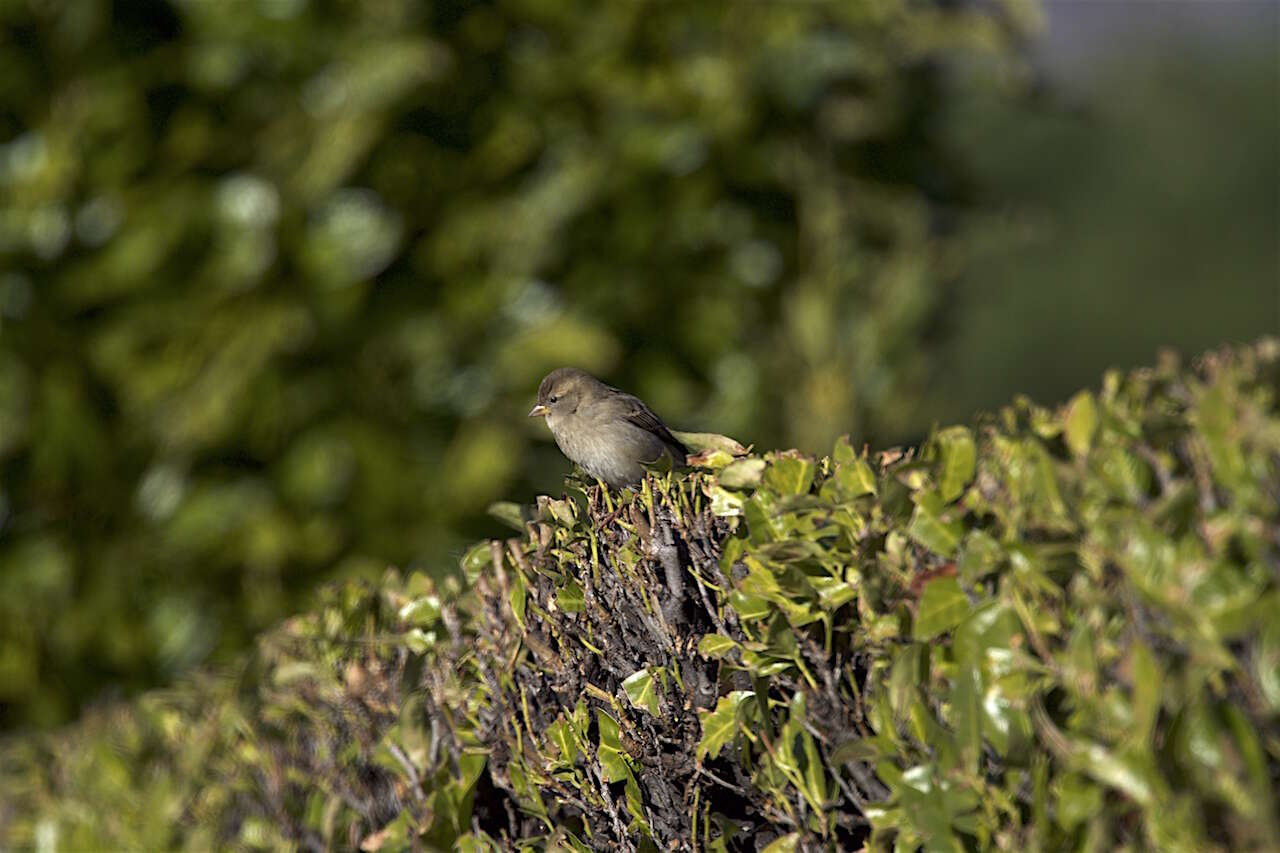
x=279 y=277
x=1054 y=631
x=1143 y=189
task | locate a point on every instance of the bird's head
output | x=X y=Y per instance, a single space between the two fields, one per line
x=563 y=390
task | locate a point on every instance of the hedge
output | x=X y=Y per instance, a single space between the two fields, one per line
x=275 y=275
x=1054 y=630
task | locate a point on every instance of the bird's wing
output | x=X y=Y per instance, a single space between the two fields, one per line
x=642 y=416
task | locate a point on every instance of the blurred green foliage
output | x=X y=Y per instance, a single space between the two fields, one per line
x=1132 y=208
x=280 y=276
x=1055 y=631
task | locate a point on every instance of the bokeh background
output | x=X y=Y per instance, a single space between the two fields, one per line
x=278 y=278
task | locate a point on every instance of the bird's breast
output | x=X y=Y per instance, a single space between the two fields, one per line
x=612 y=450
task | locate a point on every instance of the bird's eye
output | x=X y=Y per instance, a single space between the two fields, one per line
x=552 y=398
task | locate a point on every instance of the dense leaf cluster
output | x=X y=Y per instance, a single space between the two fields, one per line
x=1055 y=630
x=279 y=276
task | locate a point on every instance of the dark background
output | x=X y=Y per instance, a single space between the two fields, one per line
x=278 y=278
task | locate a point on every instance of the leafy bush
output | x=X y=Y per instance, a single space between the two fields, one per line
x=279 y=276
x=1054 y=631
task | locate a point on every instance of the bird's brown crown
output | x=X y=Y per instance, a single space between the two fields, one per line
x=567 y=382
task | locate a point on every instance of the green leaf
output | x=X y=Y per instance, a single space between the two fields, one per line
x=854 y=479
x=418 y=641
x=942 y=606
x=720 y=725
x=570 y=597
x=1076 y=799
x=749 y=607
x=641 y=690
x=742 y=474
x=422 y=612
x=509 y=513
x=958 y=455
x=713 y=459
x=697 y=442
x=518 y=598
x=561 y=735
x=979 y=556
x=1113 y=769
x=1081 y=422
x=612 y=758
x=560 y=511
x=635 y=805
x=475 y=559
x=965 y=717
x=1147 y=681
x=929 y=529
x=715 y=645
x=724 y=503
x=1266 y=664
x=790 y=475
x=815 y=776
x=833 y=592
x=926 y=808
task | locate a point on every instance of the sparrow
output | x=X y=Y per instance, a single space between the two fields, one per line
x=609 y=434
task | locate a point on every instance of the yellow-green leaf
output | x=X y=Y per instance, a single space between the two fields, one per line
x=941 y=608
x=716 y=646
x=957 y=456
x=720 y=725
x=698 y=442
x=1081 y=421
x=742 y=474
x=790 y=475
x=641 y=690
x=613 y=761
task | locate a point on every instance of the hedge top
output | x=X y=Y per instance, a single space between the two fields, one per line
x=1054 y=630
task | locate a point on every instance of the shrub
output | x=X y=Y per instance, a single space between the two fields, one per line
x=277 y=275
x=1055 y=630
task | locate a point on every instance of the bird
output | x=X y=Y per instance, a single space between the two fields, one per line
x=608 y=433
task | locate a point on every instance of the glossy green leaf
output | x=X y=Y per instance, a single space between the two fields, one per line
x=716 y=645
x=642 y=690
x=749 y=607
x=721 y=724
x=609 y=752
x=957 y=457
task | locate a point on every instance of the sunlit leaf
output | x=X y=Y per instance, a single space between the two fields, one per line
x=641 y=689
x=721 y=724
x=942 y=606
x=957 y=456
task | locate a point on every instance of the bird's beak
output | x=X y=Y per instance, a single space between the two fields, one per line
x=539 y=411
